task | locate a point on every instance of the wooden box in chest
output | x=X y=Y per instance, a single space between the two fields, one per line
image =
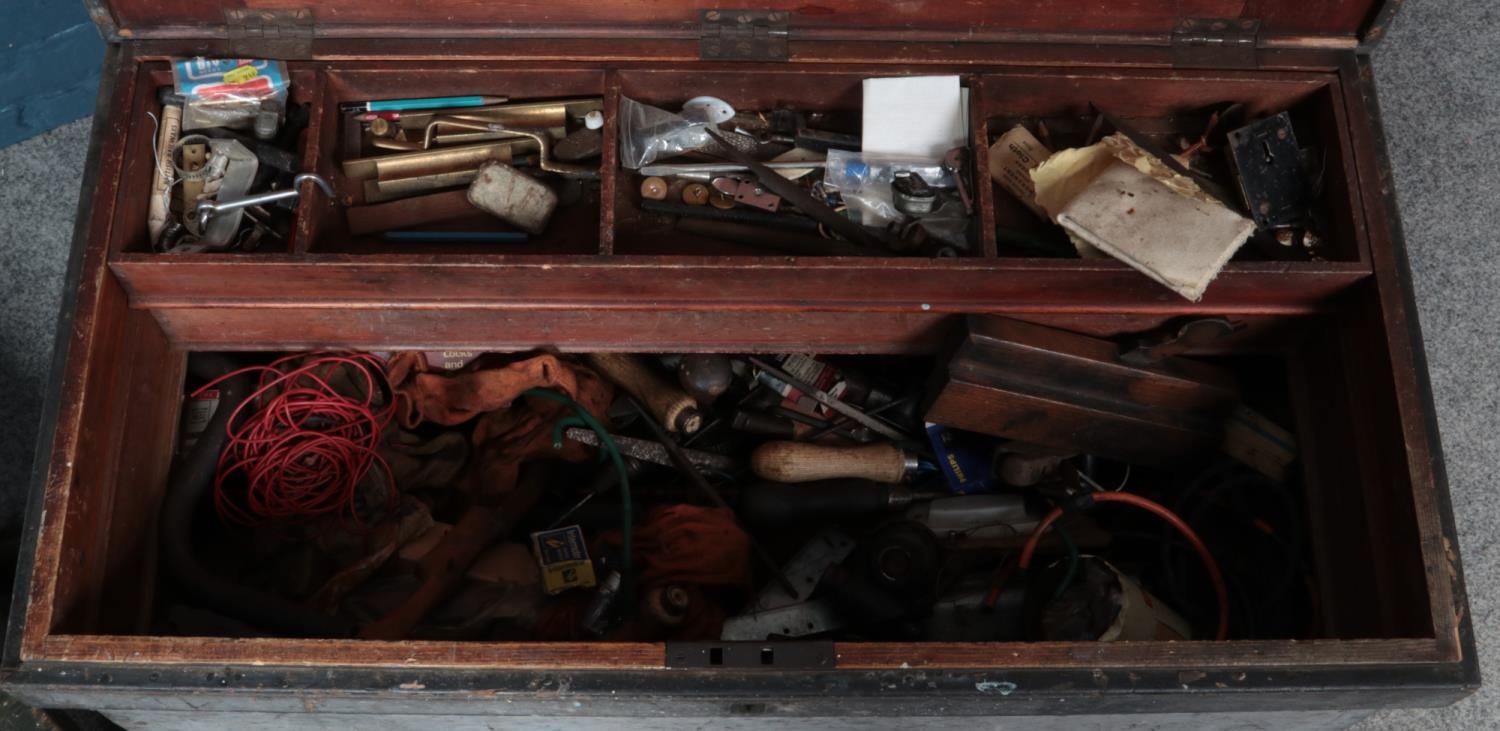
x=1326 y=338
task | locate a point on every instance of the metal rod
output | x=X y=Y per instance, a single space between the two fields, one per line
x=668 y=170
x=822 y=397
x=648 y=451
x=208 y=209
x=686 y=467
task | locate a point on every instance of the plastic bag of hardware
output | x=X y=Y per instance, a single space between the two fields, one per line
x=648 y=134
x=233 y=93
x=864 y=182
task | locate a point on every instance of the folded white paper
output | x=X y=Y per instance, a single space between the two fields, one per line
x=914 y=116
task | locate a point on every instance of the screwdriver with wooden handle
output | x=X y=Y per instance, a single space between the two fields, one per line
x=802 y=462
x=671 y=406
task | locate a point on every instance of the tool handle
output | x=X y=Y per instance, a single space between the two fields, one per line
x=799 y=462
x=777 y=502
x=676 y=410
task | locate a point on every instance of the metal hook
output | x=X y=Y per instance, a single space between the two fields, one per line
x=208 y=209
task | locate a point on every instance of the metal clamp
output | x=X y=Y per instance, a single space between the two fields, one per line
x=208 y=209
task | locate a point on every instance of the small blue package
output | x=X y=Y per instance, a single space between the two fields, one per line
x=966 y=459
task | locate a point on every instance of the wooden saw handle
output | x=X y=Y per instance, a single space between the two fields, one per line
x=799 y=462
x=676 y=410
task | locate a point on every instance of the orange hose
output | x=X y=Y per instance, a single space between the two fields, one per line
x=1220 y=589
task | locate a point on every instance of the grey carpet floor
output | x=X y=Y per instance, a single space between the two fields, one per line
x=1439 y=79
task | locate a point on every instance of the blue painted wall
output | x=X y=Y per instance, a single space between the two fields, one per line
x=50 y=52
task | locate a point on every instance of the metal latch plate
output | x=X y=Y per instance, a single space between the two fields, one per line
x=743 y=35
x=1215 y=43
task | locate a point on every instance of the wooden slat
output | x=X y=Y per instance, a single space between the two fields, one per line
x=1233 y=654
x=97 y=314
x=350 y=653
x=381 y=328
x=851 y=656
x=719 y=283
x=842 y=18
x=1408 y=364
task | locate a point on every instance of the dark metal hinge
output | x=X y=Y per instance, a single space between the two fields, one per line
x=279 y=34
x=1216 y=43
x=801 y=655
x=742 y=35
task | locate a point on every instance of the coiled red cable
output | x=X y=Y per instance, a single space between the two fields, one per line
x=302 y=446
x=1221 y=590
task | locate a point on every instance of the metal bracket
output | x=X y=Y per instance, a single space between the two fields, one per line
x=280 y=34
x=800 y=655
x=1216 y=43
x=743 y=35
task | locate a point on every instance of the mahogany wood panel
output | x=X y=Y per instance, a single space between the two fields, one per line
x=1408 y=366
x=53 y=590
x=126 y=558
x=724 y=283
x=424 y=655
x=382 y=328
x=851 y=17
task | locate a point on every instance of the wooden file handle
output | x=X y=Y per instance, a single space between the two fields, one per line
x=676 y=410
x=798 y=462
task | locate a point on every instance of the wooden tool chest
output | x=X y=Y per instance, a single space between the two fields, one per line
x=1341 y=330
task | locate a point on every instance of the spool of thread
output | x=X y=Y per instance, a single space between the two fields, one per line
x=654 y=189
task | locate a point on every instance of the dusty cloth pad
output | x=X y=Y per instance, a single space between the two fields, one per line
x=1117 y=199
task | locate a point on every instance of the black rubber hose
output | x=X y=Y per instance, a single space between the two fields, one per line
x=192 y=479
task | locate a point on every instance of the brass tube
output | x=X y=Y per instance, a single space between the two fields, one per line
x=528 y=114
x=377 y=191
x=425 y=162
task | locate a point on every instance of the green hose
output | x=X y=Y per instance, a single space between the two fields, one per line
x=1072 y=560
x=607 y=444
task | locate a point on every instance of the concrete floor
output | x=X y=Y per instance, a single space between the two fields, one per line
x=1439 y=79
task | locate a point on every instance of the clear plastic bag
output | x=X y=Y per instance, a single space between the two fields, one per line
x=864 y=182
x=234 y=93
x=648 y=134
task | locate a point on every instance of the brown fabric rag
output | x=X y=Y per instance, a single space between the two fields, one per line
x=505 y=435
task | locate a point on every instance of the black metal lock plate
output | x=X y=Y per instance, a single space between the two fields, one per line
x=1272 y=179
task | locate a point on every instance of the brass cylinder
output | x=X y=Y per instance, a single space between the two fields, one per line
x=428 y=162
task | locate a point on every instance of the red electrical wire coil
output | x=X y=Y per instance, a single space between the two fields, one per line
x=302 y=446
x=1221 y=590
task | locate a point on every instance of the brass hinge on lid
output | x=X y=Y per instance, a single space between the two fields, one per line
x=279 y=34
x=742 y=35
x=1216 y=43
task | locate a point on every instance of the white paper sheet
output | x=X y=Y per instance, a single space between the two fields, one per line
x=915 y=116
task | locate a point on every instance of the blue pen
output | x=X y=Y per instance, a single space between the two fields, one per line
x=498 y=237
x=432 y=102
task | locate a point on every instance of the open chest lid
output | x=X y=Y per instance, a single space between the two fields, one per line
x=756 y=30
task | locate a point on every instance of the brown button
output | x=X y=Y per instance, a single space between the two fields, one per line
x=722 y=200
x=654 y=189
x=695 y=194
x=380 y=127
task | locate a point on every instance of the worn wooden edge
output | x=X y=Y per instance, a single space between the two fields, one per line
x=1408 y=361
x=569 y=330
x=609 y=162
x=850 y=656
x=720 y=283
x=348 y=653
x=1073 y=51
x=146 y=455
x=31 y=610
x=1231 y=654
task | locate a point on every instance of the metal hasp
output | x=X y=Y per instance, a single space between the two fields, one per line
x=208 y=209
x=743 y=35
x=1215 y=43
